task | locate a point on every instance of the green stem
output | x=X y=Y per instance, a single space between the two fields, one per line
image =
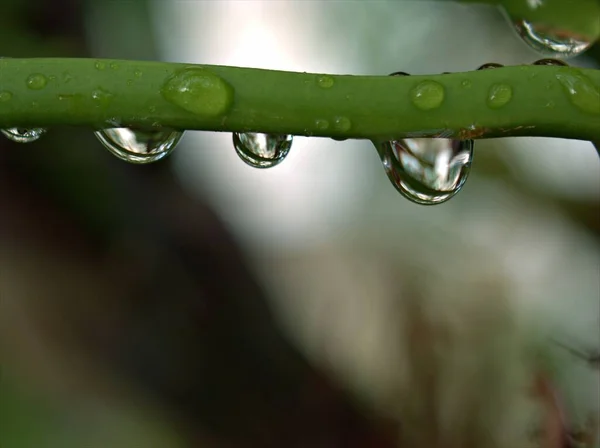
x=545 y=101
x=579 y=17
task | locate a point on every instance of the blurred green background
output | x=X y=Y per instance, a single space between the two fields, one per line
x=200 y=302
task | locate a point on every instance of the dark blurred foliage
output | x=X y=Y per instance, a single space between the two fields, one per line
x=188 y=324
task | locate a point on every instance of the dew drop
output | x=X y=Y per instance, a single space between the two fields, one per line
x=427 y=171
x=466 y=83
x=552 y=62
x=262 y=150
x=549 y=41
x=100 y=65
x=102 y=97
x=490 y=65
x=137 y=73
x=199 y=91
x=582 y=93
x=139 y=146
x=342 y=124
x=37 y=81
x=5 y=96
x=322 y=124
x=427 y=95
x=499 y=96
x=325 y=81
x=23 y=135
x=114 y=66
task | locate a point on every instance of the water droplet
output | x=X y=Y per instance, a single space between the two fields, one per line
x=100 y=65
x=325 y=81
x=490 y=65
x=580 y=89
x=549 y=41
x=114 y=66
x=465 y=83
x=262 y=150
x=137 y=73
x=67 y=77
x=499 y=95
x=5 y=96
x=139 y=146
x=23 y=135
x=198 y=91
x=322 y=124
x=129 y=82
x=37 y=81
x=101 y=97
x=427 y=95
x=342 y=124
x=427 y=170
x=549 y=61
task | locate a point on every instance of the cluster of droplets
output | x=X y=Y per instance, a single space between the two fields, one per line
x=551 y=41
x=427 y=170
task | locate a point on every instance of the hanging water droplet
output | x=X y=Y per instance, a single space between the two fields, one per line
x=23 y=135
x=262 y=150
x=552 y=62
x=550 y=41
x=490 y=65
x=139 y=146
x=427 y=171
x=399 y=74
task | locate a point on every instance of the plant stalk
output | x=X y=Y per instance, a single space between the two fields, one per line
x=544 y=100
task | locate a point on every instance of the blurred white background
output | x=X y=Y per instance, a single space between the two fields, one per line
x=333 y=240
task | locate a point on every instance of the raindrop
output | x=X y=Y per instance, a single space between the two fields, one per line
x=325 y=81
x=139 y=146
x=427 y=95
x=499 y=95
x=322 y=124
x=5 y=96
x=551 y=42
x=37 y=81
x=342 y=124
x=581 y=91
x=427 y=171
x=552 y=62
x=262 y=150
x=490 y=65
x=199 y=91
x=23 y=135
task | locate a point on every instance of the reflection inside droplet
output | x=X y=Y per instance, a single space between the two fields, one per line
x=427 y=170
x=23 y=135
x=137 y=145
x=262 y=150
x=549 y=41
